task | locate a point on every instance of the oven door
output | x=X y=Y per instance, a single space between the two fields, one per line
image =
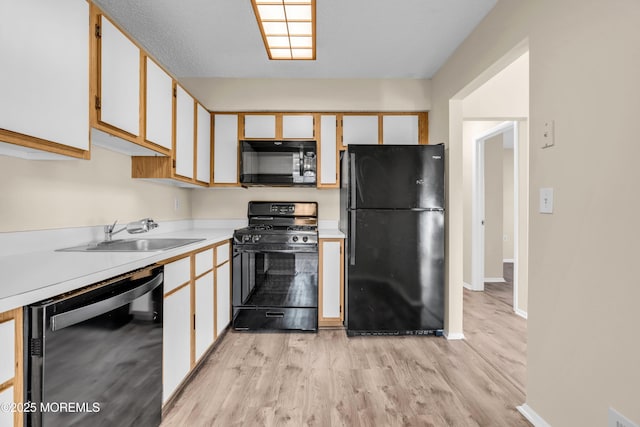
x=275 y=288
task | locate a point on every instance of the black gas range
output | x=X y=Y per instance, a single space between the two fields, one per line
x=275 y=268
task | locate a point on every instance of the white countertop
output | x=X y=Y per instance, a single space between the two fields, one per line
x=30 y=277
x=330 y=233
x=33 y=275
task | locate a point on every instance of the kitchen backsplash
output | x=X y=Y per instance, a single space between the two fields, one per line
x=221 y=203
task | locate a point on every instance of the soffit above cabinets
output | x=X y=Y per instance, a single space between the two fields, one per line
x=220 y=38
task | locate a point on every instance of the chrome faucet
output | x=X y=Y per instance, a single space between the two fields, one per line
x=135 y=227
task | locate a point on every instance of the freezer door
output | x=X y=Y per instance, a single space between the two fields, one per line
x=395 y=271
x=396 y=177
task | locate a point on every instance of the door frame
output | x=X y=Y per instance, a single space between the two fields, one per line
x=478 y=207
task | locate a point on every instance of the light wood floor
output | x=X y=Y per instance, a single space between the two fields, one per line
x=327 y=379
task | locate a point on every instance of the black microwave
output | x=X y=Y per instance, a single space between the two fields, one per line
x=278 y=163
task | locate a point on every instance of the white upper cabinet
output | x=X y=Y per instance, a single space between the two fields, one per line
x=159 y=102
x=359 y=129
x=400 y=129
x=203 y=170
x=260 y=126
x=298 y=126
x=328 y=151
x=44 y=80
x=184 y=153
x=120 y=80
x=225 y=149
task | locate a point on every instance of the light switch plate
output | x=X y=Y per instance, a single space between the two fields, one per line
x=546 y=200
x=616 y=419
x=548 y=134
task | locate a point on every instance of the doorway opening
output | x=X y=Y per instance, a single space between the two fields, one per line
x=494 y=209
x=487 y=118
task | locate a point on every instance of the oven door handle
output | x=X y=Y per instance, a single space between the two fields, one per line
x=73 y=317
x=278 y=251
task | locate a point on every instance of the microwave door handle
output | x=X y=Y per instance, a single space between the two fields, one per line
x=301 y=163
x=79 y=315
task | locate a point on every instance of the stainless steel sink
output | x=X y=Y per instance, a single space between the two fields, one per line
x=131 y=245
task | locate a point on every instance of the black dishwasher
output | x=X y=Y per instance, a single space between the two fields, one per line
x=94 y=356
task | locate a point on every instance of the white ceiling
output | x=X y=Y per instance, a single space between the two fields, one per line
x=355 y=38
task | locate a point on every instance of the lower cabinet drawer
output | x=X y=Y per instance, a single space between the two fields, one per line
x=300 y=319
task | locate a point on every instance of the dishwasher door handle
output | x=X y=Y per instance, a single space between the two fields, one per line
x=78 y=315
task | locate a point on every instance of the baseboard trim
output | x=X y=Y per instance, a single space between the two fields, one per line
x=521 y=313
x=454 y=336
x=532 y=416
x=467 y=286
x=508 y=260
x=494 y=280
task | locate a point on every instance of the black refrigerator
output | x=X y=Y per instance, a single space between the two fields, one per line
x=392 y=211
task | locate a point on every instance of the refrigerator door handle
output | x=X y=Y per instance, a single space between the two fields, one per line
x=352 y=238
x=352 y=170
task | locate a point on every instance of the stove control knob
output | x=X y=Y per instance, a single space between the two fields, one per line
x=256 y=238
x=246 y=238
x=305 y=238
x=294 y=238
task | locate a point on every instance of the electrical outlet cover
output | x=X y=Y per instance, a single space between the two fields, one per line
x=546 y=200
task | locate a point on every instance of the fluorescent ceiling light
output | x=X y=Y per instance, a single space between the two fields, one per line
x=287 y=27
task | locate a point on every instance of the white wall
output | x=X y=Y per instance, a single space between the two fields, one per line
x=225 y=203
x=220 y=94
x=505 y=95
x=583 y=297
x=57 y=194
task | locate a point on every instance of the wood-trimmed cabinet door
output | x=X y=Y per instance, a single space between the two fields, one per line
x=177 y=325
x=158 y=105
x=360 y=129
x=225 y=150
x=259 y=126
x=223 y=287
x=328 y=153
x=44 y=82
x=184 y=152
x=298 y=126
x=331 y=283
x=400 y=129
x=11 y=366
x=119 y=99
x=203 y=144
x=204 y=303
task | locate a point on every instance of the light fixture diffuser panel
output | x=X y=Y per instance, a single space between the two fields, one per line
x=271 y=12
x=287 y=27
x=298 y=12
x=276 y=28
x=300 y=28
